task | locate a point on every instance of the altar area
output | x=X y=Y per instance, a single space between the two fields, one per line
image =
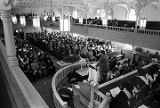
x=91 y=71
x=62 y=63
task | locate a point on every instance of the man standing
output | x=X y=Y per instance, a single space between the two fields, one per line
x=103 y=64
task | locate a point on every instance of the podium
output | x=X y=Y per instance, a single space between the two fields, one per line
x=93 y=73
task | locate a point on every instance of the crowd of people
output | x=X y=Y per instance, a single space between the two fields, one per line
x=114 y=22
x=144 y=58
x=139 y=90
x=59 y=46
x=62 y=47
x=34 y=62
x=72 y=49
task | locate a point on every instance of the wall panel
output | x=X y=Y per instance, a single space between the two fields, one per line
x=142 y=40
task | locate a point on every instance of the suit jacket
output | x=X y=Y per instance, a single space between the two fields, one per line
x=103 y=64
x=120 y=101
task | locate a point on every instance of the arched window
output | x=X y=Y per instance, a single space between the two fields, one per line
x=101 y=13
x=75 y=14
x=132 y=15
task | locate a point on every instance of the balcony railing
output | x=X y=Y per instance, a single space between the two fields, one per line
x=100 y=100
x=123 y=29
x=60 y=75
x=25 y=95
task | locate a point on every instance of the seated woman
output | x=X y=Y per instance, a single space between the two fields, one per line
x=153 y=72
x=140 y=80
x=116 y=70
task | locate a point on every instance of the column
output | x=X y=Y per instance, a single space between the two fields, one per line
x=62 y=18
x=132 y=58
x=9 y=39
x=137 y=19
x=93 y=87
x=138 y=7
x=65 y=105
x=71 y=20
x=86 y=19
x=106 y=101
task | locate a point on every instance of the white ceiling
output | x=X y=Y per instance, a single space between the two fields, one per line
x=25 y=6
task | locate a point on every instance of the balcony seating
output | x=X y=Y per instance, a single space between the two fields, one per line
x=146 y=90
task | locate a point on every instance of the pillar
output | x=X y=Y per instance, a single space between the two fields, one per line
x=93 y=88
x=138 y=7
x=65 y=105
x=137 y=19
x=9 y=39
x=86 y=18
x=106 y=101
x=132 y=58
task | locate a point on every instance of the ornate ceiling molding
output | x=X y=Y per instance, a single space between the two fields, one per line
x=6 y=2
x=82 y=4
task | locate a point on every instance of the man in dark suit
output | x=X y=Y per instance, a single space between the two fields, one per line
x=103 y=64
x=122 y=99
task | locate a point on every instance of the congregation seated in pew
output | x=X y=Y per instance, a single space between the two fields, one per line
x=63 y=46
x=35 y=63
x=138 y=90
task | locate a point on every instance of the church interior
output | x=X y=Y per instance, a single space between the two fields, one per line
x=80 y=53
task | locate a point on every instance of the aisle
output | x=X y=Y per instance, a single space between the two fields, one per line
x=43 y=86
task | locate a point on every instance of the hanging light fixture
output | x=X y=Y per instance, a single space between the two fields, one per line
x=53 y=18
x=75 y=14
x=45 y=17
x=14 y=19
x=81 y=20
x=109 y=17
x=104 y=21
x=65 y=24
x=22 y=20
x=143 y=23
x=36 y=21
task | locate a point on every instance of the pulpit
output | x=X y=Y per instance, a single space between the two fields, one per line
x=91 y=71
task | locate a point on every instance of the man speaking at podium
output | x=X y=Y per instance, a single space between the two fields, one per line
x=103 y=64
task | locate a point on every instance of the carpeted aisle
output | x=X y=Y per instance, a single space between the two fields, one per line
x=43 y=86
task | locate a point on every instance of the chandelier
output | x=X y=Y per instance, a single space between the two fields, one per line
x=49 y=14
x=36 y=21
x=14 y=19
x=22 y=20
